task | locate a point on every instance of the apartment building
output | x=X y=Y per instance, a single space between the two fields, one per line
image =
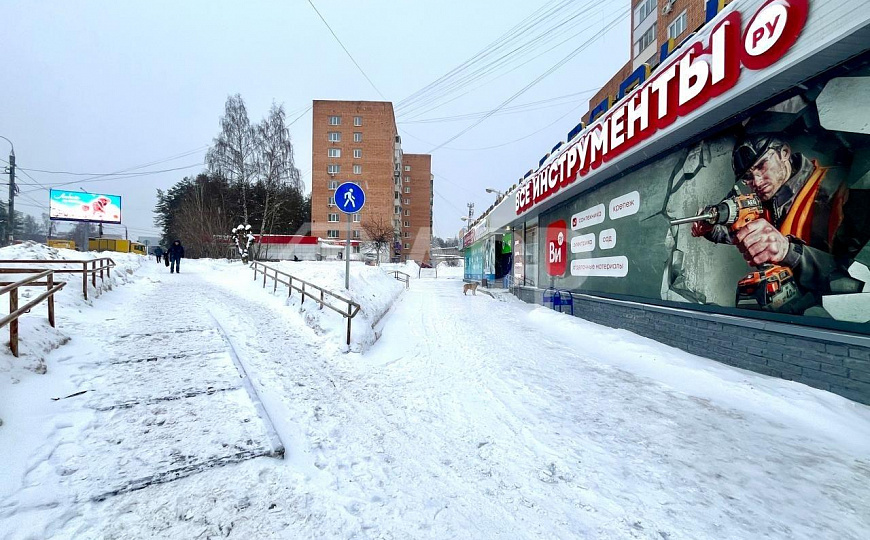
x=657 y=28
x=417 y=181
x=357 y=141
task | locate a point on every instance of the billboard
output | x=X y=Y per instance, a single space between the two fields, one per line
x=768 y=217
x=81 y=206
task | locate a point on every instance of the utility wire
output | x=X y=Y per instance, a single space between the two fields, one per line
x=541 y=77
x=346 y=51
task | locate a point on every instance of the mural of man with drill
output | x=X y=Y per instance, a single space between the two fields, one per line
x=800 y=224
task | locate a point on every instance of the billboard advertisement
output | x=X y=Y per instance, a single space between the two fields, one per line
x=768 y=216
x=81 y=206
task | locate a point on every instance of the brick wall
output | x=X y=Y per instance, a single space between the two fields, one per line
x=840 y=364
x=378 y=139
x=420 y=218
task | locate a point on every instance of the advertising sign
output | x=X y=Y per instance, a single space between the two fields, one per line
x=81 y=206
x=784 y=219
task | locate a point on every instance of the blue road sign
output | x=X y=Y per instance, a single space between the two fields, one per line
x=349 y=198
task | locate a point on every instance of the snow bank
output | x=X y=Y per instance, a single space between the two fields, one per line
x=370 y=287
x=410 y=267
x=37 y=338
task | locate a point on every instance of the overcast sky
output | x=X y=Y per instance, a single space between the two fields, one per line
x=98 y=87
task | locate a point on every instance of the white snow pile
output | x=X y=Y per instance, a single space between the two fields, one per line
x=36 y=337
x=450 y=272
x=370 y=287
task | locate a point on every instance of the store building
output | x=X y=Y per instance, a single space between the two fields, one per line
x=357 y=141
x=760 y=114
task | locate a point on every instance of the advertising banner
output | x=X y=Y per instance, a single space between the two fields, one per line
x=81 y=206
x=784 y=219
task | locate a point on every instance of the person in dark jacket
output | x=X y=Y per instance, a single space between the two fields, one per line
x=158 y=252
x=176 y=252
x=166 y=257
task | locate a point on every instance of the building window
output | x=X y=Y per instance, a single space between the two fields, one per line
x=678 y=26
x=407 y=224
x=407 y=189
x=357 y=169
x=356 y=218
x=407 y=201
x=332 y=200
x=332 y=233
x=398 y=181
x=407 y=245
x=333 y=184
x=333 y=152
x=333 y=169
x=356 y=234
x=357 y=153
x=407 y=212
x=357 y=136
x=334 y=120
x=333 y=218
x=407 y=167
x=357 y=120
x=334 y=136
x=407 y=179
x=407 y=234
x=644 y=9
x=397 y=209
x=355 y=249
x=647 y=39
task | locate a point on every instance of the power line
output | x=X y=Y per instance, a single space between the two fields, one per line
x=541 y=77
x=119 y=176
x=346 y=51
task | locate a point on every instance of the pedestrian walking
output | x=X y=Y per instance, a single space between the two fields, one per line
x=176 y=252
x=158 y=252
x=166 y=257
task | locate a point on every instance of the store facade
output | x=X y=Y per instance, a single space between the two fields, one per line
x=762 y=113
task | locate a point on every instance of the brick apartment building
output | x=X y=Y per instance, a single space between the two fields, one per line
x=357 y=141
x=655 y=23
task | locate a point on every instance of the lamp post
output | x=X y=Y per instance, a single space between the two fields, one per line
x=497 y=192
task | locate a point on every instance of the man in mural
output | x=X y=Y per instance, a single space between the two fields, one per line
x=803 y=226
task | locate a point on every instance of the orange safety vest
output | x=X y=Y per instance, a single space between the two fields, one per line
x=799 y=220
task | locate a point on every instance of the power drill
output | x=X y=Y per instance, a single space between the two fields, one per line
x=770 y=286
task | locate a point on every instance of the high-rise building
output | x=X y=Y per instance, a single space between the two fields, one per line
x=357 y=141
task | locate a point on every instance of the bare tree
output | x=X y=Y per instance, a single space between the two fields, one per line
x=233 y=155
x=276 y=167
x=379 y=233
x=203 y=224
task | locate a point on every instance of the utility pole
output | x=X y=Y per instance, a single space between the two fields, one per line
x=11 y=195
x=470 y=211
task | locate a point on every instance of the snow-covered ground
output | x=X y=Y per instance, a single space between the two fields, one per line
x=470 y=417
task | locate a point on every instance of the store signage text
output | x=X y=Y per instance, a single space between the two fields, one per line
x=703 y=71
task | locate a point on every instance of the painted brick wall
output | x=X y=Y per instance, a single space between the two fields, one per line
x=832 y=365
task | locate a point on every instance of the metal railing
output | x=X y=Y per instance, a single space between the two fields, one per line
x=89 y=267
x=15 y=311
x=401 y=276
x=305 y=288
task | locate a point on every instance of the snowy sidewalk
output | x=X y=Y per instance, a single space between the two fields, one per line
x=164 y=400
x=471 y=417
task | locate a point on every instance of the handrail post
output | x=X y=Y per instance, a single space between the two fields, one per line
x=303 y=293
x=13 y=324
x=264 y=278
x=101 y=270
x=85 y=279
x=290 y=287
x=275 y=288
x=94 y=273
x=50 y=286
x=348 y=323
x=108 y=269
x=255 y=271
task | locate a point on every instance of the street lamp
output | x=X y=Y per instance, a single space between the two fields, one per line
x=497 y=192
x=11 y=208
